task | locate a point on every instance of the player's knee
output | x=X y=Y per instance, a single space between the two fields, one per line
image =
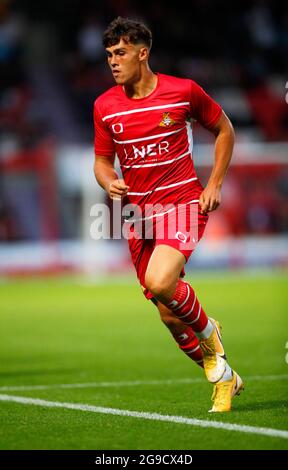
x=158 y=285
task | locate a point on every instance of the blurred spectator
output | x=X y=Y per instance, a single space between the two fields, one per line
x=12 y=28
x=261 y=26
x=90 y=40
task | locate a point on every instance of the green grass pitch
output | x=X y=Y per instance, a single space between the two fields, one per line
x=64 y=331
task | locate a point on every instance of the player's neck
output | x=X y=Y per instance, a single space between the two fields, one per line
x=143 y=87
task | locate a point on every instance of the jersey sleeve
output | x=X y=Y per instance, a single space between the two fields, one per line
x=103 y=141
x=202 y=107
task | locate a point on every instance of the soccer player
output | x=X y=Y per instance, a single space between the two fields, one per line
x=146 y=120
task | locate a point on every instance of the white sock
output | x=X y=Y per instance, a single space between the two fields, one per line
x=206 y=332
x=227 y=374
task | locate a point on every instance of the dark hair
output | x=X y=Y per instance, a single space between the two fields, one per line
x=132 y=31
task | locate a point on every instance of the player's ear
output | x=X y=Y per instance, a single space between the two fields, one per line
x=143 y=53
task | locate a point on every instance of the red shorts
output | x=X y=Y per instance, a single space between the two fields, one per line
x=180 y=228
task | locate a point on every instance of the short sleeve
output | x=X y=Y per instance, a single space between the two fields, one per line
x=103 y=142
x=202 y=107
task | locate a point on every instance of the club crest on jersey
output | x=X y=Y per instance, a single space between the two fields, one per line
x=117 y=128
x=167 y=121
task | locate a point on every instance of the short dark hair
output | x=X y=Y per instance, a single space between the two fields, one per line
x=133 y=31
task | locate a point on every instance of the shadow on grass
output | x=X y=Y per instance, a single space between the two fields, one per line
x=265 y=405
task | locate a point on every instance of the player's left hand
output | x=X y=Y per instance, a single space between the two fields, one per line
x=210 y=199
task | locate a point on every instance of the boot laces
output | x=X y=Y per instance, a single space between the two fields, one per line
x=208 y=346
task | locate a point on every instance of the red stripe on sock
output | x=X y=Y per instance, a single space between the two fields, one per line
x=194 y=352
x=189 y=344
x=185 y=337
x=187 y=307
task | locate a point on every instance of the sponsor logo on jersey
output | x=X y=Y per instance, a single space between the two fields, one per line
x=167 y=121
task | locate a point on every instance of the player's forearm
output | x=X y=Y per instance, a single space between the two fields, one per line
x=105 y=174
x=224 y=144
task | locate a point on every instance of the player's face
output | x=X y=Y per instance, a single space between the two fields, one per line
x=125 y=59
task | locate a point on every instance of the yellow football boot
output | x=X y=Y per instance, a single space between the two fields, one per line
x=223 y=393
x=214 y=358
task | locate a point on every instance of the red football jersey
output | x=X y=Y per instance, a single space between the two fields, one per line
x=152 y=137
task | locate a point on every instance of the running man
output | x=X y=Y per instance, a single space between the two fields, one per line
x=146 y=120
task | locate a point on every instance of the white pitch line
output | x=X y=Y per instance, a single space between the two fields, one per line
x=131 y=383
x=270 y=432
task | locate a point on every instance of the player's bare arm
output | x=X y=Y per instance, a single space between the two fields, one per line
x=107 y=177
x=224 y=133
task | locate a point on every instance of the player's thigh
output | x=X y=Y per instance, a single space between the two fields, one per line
x=164 y=268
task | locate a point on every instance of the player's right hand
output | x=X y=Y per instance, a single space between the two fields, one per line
x=118 y=189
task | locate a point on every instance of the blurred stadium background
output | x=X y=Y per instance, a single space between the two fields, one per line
x=52 y=67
